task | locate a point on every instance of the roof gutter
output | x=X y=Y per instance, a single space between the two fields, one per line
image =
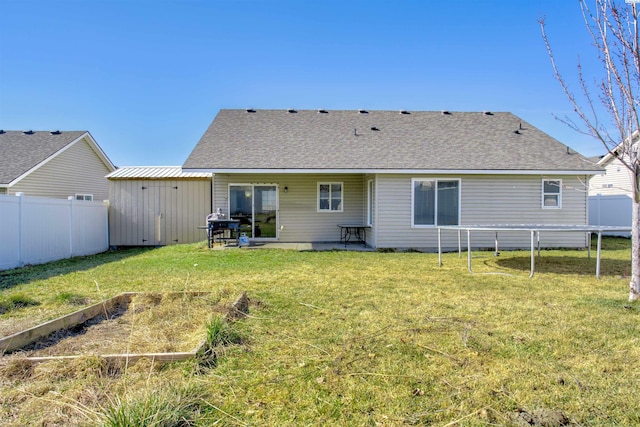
x=405 y=171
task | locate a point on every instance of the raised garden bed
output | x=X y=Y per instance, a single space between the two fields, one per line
x=164 y=327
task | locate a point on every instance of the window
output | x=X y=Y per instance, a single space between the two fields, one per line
x=86 y=197
x=435 y=202
x=551 y=193
x=329 y=197
x=3 y=190
x=256 y=207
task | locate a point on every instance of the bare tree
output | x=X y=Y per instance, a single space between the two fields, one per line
x=607 y=106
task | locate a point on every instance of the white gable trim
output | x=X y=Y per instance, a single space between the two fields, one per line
x=98 y=150
x=607 y=158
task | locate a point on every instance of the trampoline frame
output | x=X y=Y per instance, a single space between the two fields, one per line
x=535 y=230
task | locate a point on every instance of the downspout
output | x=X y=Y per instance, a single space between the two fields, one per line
x=375 y=211
x=213 y=193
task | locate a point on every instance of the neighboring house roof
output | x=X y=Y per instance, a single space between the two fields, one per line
x=614 y=154
x=155 y=172
x=595 y=159
x=380 y=141
x=22 y=152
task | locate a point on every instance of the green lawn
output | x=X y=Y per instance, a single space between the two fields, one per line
x=348 y=338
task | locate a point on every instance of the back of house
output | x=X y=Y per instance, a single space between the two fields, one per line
x=302 y=175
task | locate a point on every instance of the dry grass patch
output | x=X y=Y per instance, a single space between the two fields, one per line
x=380 y=339
x=150 y=323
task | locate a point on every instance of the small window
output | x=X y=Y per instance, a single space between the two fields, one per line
x=435 y=202
x=551 y=193
x=329 y=197
x=85 y=197
x=3 y=190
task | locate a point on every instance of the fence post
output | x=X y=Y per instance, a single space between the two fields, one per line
x=20 y=195
x=106 y=219
x=71 y=206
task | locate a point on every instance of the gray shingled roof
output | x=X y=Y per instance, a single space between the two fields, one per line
x=19 y=151
x=420 y=140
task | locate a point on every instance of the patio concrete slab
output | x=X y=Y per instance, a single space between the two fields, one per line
x=298 y=246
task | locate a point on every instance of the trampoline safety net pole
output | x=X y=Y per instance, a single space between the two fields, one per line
x=439 y=247
x=469 y=250
x=598 y=259
x=533 y=253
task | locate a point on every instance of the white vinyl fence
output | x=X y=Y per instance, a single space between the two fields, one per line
x=35 y=230
x=612 y=210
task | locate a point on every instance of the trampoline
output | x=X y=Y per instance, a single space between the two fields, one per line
x=535 y=231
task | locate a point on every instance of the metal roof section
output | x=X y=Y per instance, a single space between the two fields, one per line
x=485 y=142
x=156 y=172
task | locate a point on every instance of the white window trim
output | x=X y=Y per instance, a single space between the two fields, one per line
x=413 y=181
x=341 y=196
x=559 y=194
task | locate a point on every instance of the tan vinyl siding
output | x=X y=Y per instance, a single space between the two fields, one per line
x=615 y=181
x=78 y=169
x=158 y=212
x=484 y=200
x=299 y=219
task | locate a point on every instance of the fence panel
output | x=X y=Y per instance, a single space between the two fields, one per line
x=9 y=232
x=35 y=230
x=612 y=210
x=44 y=230
x=90 y=228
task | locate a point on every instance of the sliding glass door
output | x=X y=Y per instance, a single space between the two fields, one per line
x=256 y=206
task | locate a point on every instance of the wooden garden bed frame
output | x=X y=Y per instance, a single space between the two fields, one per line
x=31 y=335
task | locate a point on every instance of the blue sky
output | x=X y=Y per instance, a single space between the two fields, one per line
x=147 y=77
